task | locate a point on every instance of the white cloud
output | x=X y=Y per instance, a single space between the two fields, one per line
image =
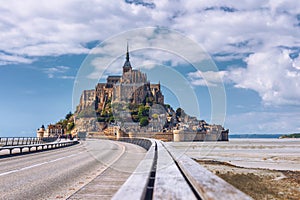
x=273 y=74
x=53 y=71
x=209 y=78
x=62 y=27
x=12 y=59
x=67 y=77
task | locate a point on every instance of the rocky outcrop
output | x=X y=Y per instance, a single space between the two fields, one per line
x=87 y=99
x=87 y=124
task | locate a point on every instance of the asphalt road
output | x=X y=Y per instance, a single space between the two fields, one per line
x=59 y=173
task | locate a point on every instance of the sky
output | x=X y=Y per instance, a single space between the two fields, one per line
x=255 y=45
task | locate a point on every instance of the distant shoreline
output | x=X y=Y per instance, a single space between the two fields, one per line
x=254 y=136
x=294 y=135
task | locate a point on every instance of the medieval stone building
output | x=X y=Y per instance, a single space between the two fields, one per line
x=131 y=87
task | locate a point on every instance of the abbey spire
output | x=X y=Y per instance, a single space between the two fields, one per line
x=127 y=66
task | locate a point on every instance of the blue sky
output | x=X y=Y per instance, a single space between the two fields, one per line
x=254 y=43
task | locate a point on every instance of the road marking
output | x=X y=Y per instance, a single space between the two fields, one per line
x=39 y=164
x=111 y=162
x=122 y=146
x=104 y=167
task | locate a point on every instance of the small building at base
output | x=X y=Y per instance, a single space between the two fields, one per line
x=53 y=130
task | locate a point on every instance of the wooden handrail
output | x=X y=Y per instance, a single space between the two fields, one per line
x=205 y=183
x=176 y=177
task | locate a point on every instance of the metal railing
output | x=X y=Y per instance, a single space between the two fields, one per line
x=15 y=141
x=37 y=146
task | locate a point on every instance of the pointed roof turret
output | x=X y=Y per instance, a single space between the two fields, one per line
x=127 y=66
x=127 y=54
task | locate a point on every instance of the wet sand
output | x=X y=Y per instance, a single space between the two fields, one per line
x=258 y=183
x=262 y=168
x=278 y=154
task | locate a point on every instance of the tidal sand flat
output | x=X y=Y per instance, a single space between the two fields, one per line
x=262 y=168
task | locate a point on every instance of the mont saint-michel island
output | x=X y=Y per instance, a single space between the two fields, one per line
x=128 y=105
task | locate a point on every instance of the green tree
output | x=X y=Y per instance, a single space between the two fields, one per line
x=144 y=121
x=70 y=126
x=179 y=112
x=111 y=119
x=143 y=111
x=101 y=119
x=167 y=106
x=69 y=115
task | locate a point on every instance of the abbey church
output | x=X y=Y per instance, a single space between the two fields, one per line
x=132 y=87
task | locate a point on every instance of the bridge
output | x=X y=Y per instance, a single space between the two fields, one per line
x=20 y=143
x=98 y=168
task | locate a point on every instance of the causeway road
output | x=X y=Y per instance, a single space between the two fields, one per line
x=74 y=172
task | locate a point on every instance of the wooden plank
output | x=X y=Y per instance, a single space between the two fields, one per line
x=169 y=182
x=136 y=185
x=208 y=185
